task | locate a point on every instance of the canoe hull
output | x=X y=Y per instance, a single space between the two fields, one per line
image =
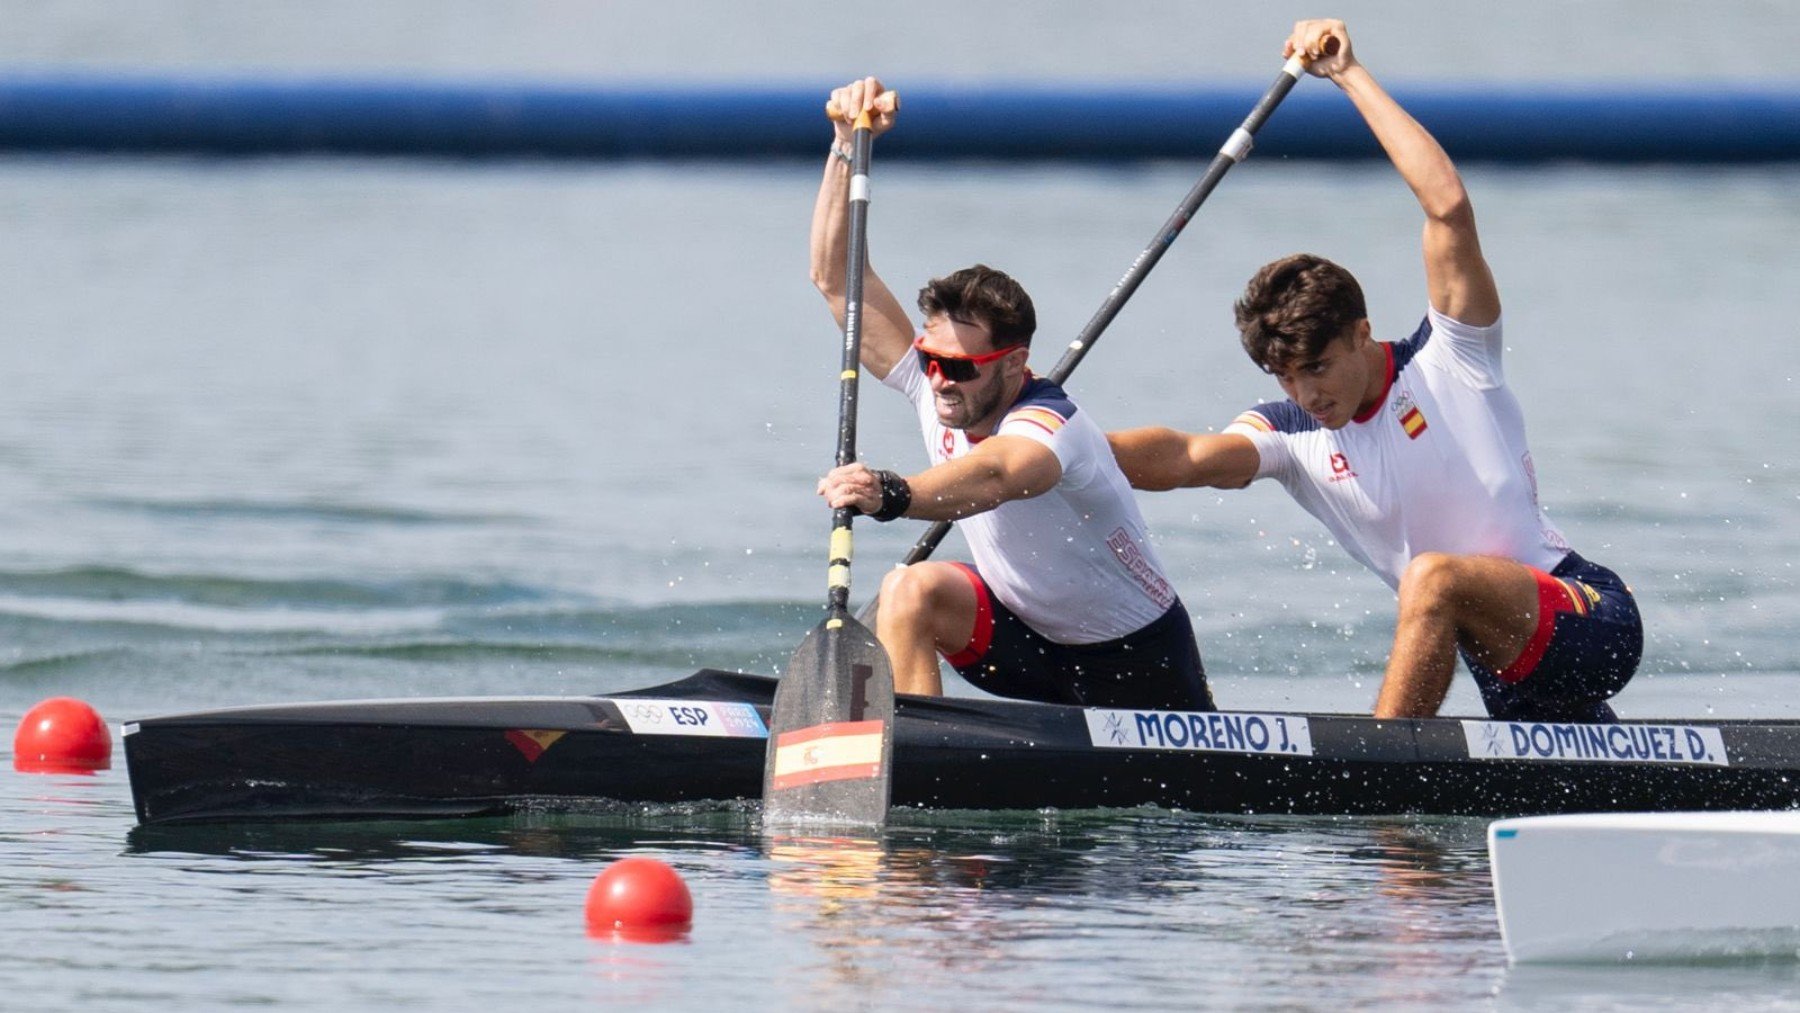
x=703 y=739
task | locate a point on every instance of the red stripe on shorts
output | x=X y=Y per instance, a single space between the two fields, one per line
x=1553 y=597
x=983 y=634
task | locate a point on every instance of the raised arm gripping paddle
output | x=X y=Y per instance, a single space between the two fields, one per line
x=1235 y=149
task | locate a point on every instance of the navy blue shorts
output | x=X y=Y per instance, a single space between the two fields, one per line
x=1586 y=648
x=1155 y=668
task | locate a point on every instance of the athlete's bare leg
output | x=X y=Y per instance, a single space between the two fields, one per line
x=1487 y=605
x=925 y=608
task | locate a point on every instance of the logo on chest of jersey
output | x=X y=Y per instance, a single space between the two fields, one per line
x=947 y=446
x=1340 y=468
x=1412 y=420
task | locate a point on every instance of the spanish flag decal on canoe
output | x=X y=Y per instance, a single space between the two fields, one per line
x=834 y=751
x=532 y=742
x=1413 y=422
x=1043 y=418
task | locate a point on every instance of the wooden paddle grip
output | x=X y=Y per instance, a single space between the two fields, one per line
x=887 y=102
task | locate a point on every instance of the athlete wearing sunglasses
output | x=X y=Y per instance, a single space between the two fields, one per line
x=1066 y=601
x=951 y=366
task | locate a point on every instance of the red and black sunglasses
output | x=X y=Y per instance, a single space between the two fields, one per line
x=953 y=367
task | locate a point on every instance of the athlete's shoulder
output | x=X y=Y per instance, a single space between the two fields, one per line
x=1277 y=417
x=1469 y=353
x=1042 y=403
x=1405 y=350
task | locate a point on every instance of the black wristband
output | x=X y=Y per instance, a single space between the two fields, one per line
x=896 y=496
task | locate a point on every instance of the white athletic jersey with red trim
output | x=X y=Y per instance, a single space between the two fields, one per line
x=1075 y=563
x=1440 y=466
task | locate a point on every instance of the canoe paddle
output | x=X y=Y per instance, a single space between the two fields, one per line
x=831 y=735
x=1235 y=150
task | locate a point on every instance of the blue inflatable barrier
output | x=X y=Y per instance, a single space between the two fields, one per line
x=475 y=119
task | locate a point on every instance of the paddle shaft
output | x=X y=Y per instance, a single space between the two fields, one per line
x=1235 y=149
x=860 y=142
x=830 y=751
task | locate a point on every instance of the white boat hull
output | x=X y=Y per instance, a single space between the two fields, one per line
x=1648 y=886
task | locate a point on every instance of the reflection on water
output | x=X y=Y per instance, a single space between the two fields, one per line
x=829 y=869
x=841 y=895
x=1069 y=906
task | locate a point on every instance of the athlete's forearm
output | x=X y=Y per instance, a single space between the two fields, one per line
x=1157 y=459
x=886 y=331
x=1418 y=156
x=1458 y=280
x=830 y=233
x=982 y=481
x=1153 y=459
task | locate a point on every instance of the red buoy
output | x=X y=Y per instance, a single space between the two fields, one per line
x=62 y=735
x=639 y=899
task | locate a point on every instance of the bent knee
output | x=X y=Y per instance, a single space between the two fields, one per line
x=919 y=588
x=1431 y=574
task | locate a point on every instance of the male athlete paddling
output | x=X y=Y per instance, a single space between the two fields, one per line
x=1066 y=602
x=1414 y=454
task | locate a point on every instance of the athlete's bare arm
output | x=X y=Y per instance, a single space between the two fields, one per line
x=1001 y=469
x=1457 y=277
x=886 y=329
x=1157 y=458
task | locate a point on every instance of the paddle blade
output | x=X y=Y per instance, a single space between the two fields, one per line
x=831 y=736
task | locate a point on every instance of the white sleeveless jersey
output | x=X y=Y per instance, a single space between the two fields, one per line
x=1075 y=563
x=1441 y=465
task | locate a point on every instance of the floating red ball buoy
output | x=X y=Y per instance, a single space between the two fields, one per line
x=62 y=735
x=639 y=899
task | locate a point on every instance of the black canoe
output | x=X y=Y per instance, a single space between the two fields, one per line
x=703 y=738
